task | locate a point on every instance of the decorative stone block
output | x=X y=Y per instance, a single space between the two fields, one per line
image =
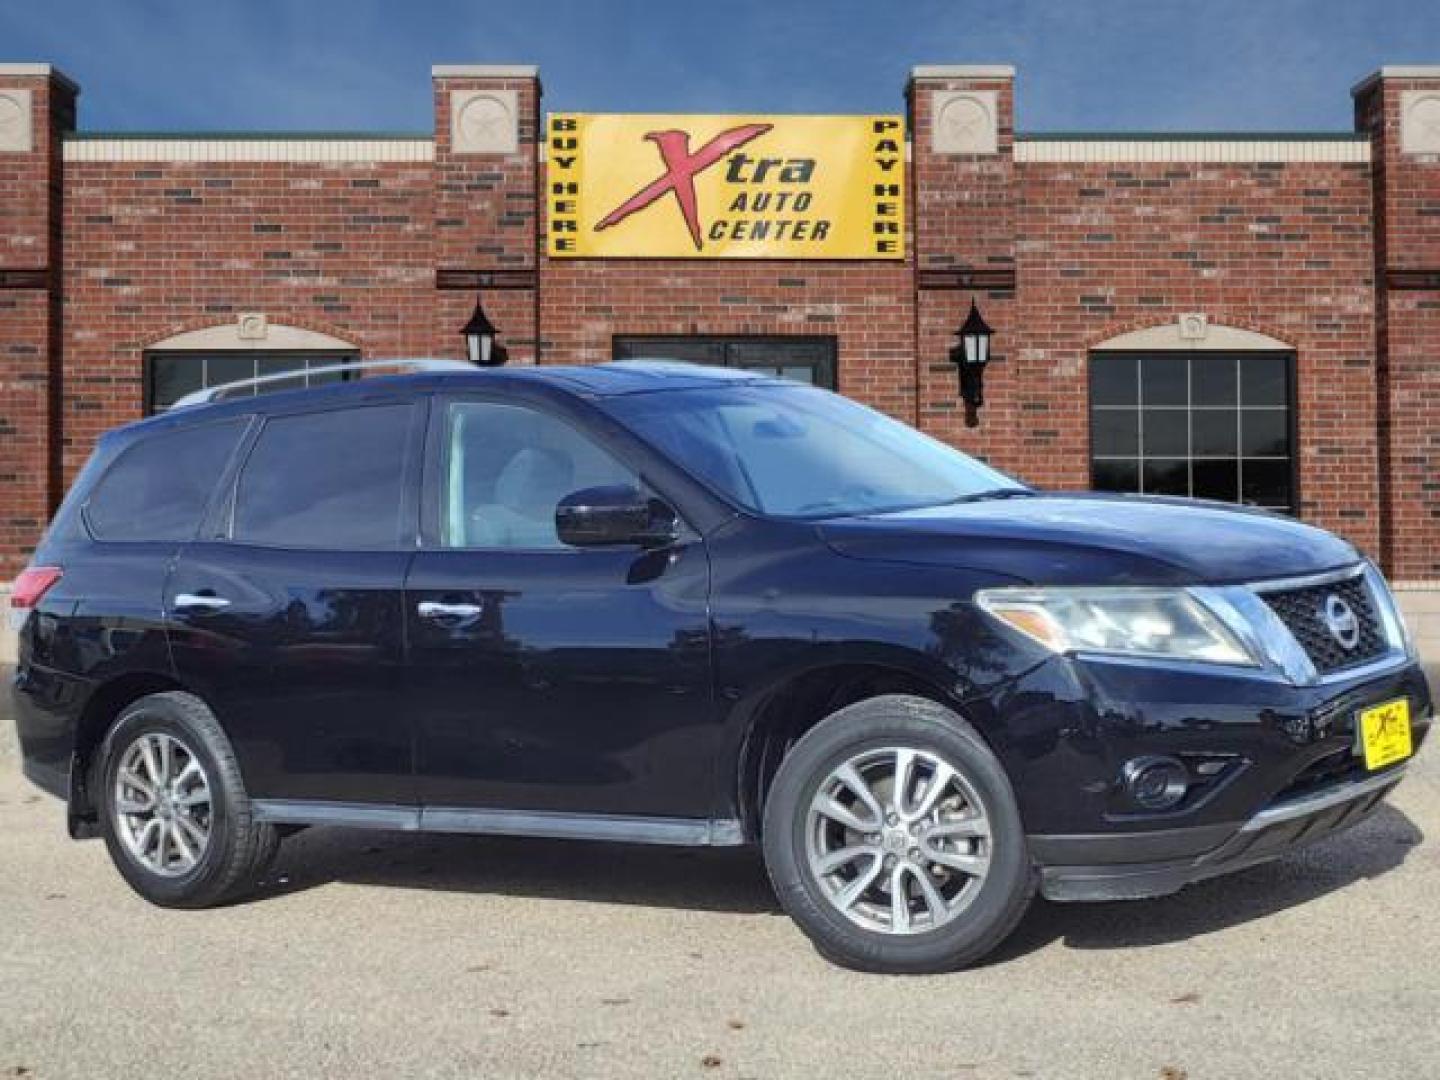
x=1194 y=326
x=16 y=128
x=1420 y=122
x=965 y=122
x=484 y=122
x=252 y=326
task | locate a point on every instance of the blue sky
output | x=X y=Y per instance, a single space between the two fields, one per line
x=364 y=64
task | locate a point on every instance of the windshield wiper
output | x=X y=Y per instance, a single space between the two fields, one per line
x=994 y=493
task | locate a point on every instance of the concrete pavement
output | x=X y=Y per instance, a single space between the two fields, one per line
x=382 y=955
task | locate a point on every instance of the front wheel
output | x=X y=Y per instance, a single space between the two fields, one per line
x=178 y=823
x=893 y=839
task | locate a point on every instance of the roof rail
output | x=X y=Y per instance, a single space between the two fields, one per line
x=217 y=393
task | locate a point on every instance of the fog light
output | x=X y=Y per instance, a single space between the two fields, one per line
x=1156 y=783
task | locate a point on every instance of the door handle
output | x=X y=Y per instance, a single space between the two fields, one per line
x=200 y=602
x=431 y=609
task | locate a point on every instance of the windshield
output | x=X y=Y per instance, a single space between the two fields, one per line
x=794 y=451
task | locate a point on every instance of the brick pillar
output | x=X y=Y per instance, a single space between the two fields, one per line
x=486 y=204
x=1400 y=108
x=963 y=207
x=37 y=106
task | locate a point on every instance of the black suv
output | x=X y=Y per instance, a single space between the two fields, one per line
x=660 y=603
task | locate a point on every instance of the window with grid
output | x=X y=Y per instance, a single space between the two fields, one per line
x=1203 y=425
x=804 y=359
x=169 y=376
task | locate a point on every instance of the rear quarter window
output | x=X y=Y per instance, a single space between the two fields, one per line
x=158 y=488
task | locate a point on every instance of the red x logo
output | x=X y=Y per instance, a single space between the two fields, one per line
x=681 y=168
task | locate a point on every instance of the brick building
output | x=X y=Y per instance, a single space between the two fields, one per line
x=1232 y=316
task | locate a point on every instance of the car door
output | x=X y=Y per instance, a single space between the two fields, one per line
x=288 y=615
x=545 y=677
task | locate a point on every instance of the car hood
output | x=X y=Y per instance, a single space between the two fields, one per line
x=1087 y=539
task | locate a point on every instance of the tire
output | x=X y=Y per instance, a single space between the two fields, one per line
x=976 y=910
x=235 y=850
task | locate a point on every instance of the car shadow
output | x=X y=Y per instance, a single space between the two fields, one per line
x=699 y=879
x=733 y=880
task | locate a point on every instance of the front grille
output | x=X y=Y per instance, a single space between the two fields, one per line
x=1303 y=612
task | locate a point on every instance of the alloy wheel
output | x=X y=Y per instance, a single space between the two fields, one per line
x=162 y=803
x=898 y=840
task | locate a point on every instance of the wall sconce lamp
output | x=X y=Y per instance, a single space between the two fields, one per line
x=970 y=356
x=480 y=344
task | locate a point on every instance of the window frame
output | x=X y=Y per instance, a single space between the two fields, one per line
x=219 y=524
x=1292 y=424
x=434 y=478
x=151 y=356
x=827 y=367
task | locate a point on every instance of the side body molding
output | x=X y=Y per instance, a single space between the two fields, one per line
x=683 y=832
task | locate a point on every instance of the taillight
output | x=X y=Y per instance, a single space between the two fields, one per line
x=32 y=584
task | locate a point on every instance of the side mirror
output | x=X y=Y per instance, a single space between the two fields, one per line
x=613 y=515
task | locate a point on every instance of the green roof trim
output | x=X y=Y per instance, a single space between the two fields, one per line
x=1191 y=136
x=251 y=136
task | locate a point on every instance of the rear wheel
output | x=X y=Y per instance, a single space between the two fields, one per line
x=893 y=839
x=178 y=824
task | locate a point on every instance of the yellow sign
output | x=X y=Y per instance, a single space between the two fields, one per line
x=727 y=187
x=1385 y=733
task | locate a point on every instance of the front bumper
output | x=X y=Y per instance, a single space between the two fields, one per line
x=1280 y=828
x=1289 y=767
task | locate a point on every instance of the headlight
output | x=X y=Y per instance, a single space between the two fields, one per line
x=1157 y=623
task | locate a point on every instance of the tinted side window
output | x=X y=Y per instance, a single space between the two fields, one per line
x=158 y=488
x=506 y=470
x=331 y=479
